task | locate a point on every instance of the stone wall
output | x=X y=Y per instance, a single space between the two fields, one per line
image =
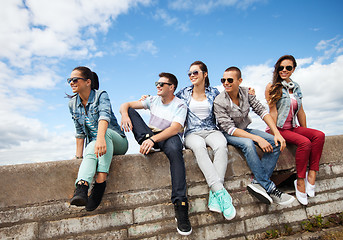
x=34 y=199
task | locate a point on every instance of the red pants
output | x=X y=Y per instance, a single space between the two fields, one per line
x=309 y=144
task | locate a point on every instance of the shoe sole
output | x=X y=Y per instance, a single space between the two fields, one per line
x=215 y=210
x=183 y=233
x=77 y=201
x=260 y=195
x=232 y=216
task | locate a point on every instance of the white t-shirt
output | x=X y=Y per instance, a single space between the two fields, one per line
x=200 y=108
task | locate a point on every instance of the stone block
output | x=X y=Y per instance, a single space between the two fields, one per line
x=84 y=224
x=24 y=231
x=329 y=184
x=337 y=168
x=325 y=209
x=197 y=190
x=108 y=235
x=268 y=221
x=152 y=213
x=151 y=228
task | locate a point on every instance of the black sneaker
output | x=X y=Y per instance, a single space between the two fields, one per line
x=94 y=199
x=80 y=197
x=181 y=217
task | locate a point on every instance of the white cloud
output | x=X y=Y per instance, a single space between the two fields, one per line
x=35 y=35
x=134 y=49
x=204 y=7
x=168 y=20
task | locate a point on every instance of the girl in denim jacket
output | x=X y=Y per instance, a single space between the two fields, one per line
x=201 y=131
x=94 y=122
x=285 y=104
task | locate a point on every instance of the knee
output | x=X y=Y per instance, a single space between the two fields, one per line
x=320 y=136
x=248 y=144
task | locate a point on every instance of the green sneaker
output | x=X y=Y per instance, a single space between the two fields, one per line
x=225 y=201
x=213 y=204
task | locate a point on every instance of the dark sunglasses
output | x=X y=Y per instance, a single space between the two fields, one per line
x=161 y=84
x=195 y=73
x=230 y=80
x=75 y=79
x=288 y=68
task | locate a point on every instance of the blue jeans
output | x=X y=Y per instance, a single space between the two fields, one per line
x=261 y=168
x=172 y=147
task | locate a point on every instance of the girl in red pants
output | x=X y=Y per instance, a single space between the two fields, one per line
x=284 y=98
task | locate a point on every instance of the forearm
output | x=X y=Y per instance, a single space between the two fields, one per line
x=268 y=119
x=241 y=133
x=79 y=147
x=166 y=133
x=302 y=118
x=102 y=128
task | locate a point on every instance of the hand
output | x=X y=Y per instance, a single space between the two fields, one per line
x=143 y=97
x=279 y=139
x=251 y=91
x=146 y=146
x=126 y=124
x=100 y=147
x=264 y=145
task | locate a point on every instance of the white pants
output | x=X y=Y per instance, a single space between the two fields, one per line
x=214 y=172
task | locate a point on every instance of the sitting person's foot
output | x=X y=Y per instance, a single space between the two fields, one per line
x=281 y=197
x=260 y=193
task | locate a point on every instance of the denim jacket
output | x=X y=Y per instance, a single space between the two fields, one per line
x=193 y=122
x=98 y=108
x=284 y=105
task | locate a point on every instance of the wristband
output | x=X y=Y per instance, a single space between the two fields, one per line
x=152 y=140
x=76 y=157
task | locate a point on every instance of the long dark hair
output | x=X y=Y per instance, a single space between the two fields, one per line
x=275 y=91
x=203 y=68
x=87 y=74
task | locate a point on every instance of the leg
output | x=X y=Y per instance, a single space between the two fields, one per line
x=249 y=150
x=302 y=154
x=88 y=165
x=140 y=130
x=218 y=143
x=115 y=144
x=196 y=142
x=172 y=147
x=270 y=159
x=317 y=139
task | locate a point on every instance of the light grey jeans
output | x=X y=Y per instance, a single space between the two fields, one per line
x=214 y=172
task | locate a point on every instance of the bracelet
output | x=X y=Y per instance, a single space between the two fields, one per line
x=76 y=157
x=152 y=140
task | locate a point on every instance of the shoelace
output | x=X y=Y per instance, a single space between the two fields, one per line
x=225 y=201
x=277 y=192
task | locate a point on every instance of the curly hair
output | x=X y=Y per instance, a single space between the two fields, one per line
x=275 y=91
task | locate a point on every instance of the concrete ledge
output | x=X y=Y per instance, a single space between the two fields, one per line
x=34 y=199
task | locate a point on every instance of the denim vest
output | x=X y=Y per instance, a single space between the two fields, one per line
x=284 y=105
x=98 y=108
x=193 y=122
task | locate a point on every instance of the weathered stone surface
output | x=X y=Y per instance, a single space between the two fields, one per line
x=23 y=231
x=84 y=224
x=136 y=204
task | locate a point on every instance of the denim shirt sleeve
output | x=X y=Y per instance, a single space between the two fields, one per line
x=104 y=107
x=76 y=116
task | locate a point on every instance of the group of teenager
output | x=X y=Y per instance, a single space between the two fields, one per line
x=197 y=117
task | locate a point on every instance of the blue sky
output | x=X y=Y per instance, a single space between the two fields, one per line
x=129 y=42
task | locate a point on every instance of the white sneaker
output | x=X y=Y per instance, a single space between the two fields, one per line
x=309 y=187
x=302 y=197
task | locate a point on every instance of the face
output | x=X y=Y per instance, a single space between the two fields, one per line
x=80 y=84
x=197 y=76
x=166 y=88
x=231 y=87
x=286 y=73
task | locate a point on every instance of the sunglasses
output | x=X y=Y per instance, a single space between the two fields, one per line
x=161 y=84
x=288 y=68
x=75 y=79
x=223 y=80
x=195 y=73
